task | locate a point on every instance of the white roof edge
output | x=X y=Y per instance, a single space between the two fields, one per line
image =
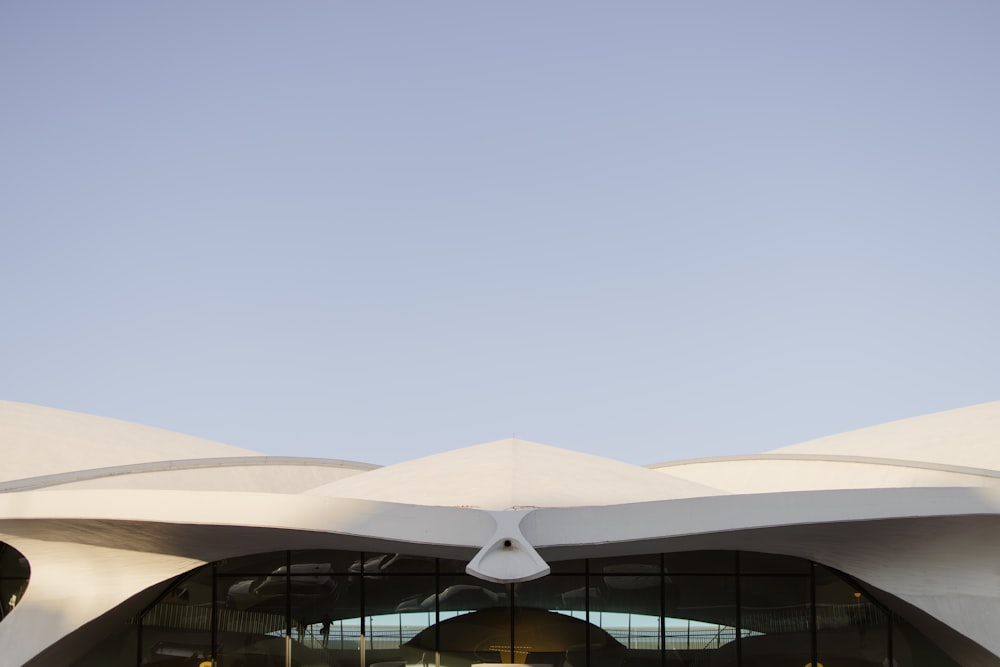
x=833 y=458
x=42 y=481
x=553 y=527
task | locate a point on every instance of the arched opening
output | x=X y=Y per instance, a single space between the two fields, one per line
x=349 y=609
x=14 y=576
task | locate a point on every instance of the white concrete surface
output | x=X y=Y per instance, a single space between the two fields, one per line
x=103 y=510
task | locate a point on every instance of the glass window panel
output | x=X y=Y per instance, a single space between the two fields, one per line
x=550 y=626
x=776 y=617
x=453 y=566
x=340 y=562
x=11 y=593
x=850 y=627
x=261 y=595
x=252 y=618
x=481 y=636
x=912 y=649
x=12 y=562
x=625 y=610
x=14 y=574
x=345 y=623
x=393 y=594
x=399 y=619
x=699 y=624
x=119 y=649
x=462 y=594
x=758 y=563
x=572 y=566
x=326 y=620
x=707 y=562
x=475 y=620
x=179 y=627
x=558 y=592
x=257 y=564
x=627 y=593
x=376 y=564
x=626 y=564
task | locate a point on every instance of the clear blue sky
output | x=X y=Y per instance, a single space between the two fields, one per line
x=375 y=230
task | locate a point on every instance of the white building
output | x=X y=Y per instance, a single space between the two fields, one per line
x=127 y=545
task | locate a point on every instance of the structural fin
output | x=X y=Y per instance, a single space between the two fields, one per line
x=507 y=557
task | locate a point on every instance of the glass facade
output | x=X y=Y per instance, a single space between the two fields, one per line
x=14 y=575
x=349 y=609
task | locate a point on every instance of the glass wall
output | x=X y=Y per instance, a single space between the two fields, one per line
x=349 y=609
x=179 y=628
x=14 y=575
x=850 y=628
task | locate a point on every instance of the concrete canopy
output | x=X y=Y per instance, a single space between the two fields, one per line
x=967 y=437
x=44 y=441
x=910 y=508
x=513 y=474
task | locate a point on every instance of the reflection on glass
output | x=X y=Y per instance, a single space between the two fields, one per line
x=464 y=596
x=625 y=564
x=850 y=628
x=397 y=609
x=251 y=609
x=574 y=566
x=13 y=564
x=705 y=562
x=118 y=649
x=775 y=614
x=340 y=562
x=563 y=596
x=258 y=564
x=555 y=592
x=11 y=593
x=390 y=564
x=699 y=627
x=346 y=609
x=911 y=649
x=624 y=603
x=758 y=563
x=177 y=630
x=14 y=575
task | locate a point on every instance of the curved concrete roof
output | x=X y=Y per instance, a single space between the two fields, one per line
x=514 y=474
x=262 y=474
x=957 y=448
x=768 y=473
x=44 y=441
x=86 y=498
x=967 y=437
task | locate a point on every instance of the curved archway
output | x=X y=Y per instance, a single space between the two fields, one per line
x=14 y=575
x=349 y=609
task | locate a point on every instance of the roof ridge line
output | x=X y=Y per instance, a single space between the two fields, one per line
x=55 y=479
x=835 y=458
